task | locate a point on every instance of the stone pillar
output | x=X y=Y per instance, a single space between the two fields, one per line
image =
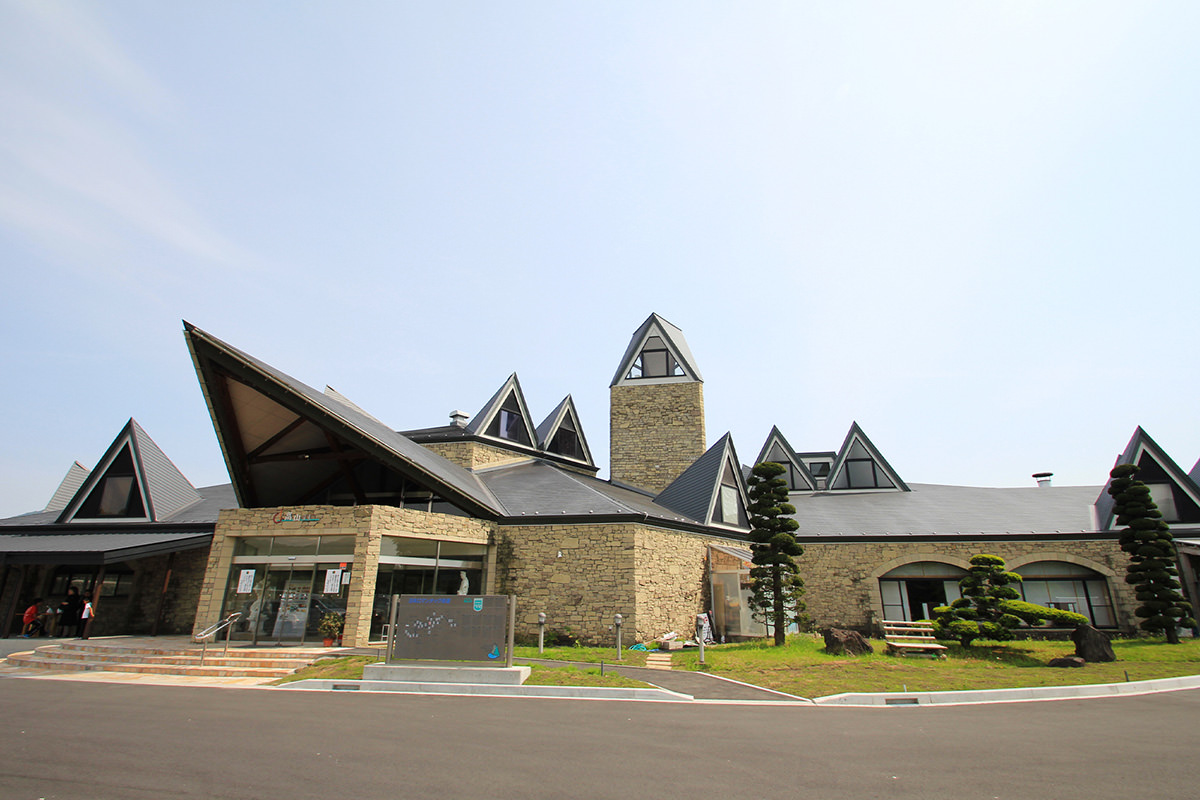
x=656 y=431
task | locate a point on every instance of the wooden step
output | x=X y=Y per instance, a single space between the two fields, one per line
x=658 y=661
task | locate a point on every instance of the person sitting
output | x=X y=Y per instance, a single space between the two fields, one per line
x=31 y=622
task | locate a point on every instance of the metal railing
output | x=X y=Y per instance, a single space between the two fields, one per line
x=210 y=633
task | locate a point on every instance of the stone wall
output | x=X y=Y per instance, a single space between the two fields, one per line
x=656 y=432
x=582 y=575
x=671 y=581
x=475 y=455
x=842 y=578
x=578 y=575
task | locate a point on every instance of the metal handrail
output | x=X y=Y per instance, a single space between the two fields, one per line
x=211 y=632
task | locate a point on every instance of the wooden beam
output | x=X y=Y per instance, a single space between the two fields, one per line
x=347 y=470
x=320 y=454
x=274 y=440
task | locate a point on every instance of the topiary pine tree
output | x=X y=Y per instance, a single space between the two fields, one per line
x=978 y=614
x=1147 y=539
x=776 y=586
x=990 y=608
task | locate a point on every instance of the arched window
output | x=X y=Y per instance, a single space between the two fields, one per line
x=1058 y=584
x=912 y=591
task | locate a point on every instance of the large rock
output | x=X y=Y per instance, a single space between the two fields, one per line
x=1092 y=645
x=1066 y=661
x=846 y=643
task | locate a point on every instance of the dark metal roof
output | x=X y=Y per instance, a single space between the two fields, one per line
x=454 y=483
x=75 y=477
x=945 y=511
x=96 y=548
x=694 y=492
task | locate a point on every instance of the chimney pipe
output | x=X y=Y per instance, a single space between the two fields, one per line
x=1043 y=479
x=459 y=418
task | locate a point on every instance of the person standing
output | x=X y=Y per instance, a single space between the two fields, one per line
x=69 y=611
x=86 y=617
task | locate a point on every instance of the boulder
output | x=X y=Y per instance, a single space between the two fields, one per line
x=1066 y=661
x=846 y=643
x=1092 y=645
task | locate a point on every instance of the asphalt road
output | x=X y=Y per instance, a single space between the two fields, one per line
x=65 y=739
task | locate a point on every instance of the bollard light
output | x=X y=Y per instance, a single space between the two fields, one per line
x=700 y=620
x=541 y=632
x=617 y=619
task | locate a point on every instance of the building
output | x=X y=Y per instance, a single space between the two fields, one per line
x=330 y=510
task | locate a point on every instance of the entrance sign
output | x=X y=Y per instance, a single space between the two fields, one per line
x=451 y=628
x=245 y=581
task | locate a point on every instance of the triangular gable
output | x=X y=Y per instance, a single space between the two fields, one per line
x=657 y=353
x=134 y=481
x=75 y=477
x=283 y=439
x=1154 y=467
x=506 y=416
x=562 y=435
x=712 y=490
x=776 y=449
x=860 y=466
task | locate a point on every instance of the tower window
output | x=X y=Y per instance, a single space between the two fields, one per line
x=655 y=361
x=508 y=423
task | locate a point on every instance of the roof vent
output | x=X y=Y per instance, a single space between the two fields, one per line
x=1043 y=479
x=459 y=418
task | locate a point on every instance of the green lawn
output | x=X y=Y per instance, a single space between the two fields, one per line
x=350 y=668
x=803 y=668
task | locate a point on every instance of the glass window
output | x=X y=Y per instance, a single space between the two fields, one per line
x=860 y=474
x=294 y=546
x=336 y=545
x=729 y=505
x=1163 y=495
x=399 y=546
x=253 y=546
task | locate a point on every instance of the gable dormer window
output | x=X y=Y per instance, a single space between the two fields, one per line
x=655 y=361
x=565 y=441
x=508 y=423
x=116 y=494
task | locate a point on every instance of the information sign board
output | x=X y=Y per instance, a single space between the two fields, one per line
x=451 y=628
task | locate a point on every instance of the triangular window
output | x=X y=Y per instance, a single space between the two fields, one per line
x=729 y=509
x=508 y=422
x=655 y=361
x=795 y=480
x=565 y=441
x=117 y=493
x=1173 y=502
x=860 y=466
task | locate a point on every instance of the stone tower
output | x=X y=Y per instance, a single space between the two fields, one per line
x=656 y=408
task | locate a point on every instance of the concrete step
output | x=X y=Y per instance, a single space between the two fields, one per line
x=180 y=659
x=40 y=661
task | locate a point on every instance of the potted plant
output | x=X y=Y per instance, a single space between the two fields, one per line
x=330 y=627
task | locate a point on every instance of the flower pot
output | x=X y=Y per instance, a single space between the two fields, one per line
x=328 y=642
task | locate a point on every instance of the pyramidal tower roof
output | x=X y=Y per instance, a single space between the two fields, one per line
x=657 y=353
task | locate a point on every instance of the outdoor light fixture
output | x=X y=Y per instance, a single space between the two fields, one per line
x=617 y=619
x=541 y=631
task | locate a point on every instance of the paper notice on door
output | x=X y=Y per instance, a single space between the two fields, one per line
x=333 y=581
x=245 y=581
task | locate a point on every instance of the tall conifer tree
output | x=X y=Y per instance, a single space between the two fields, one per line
x=776 y=584
x=1147 y=539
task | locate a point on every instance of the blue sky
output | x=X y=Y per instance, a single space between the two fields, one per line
x=971 y=227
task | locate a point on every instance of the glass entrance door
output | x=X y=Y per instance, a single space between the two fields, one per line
x=284 y=604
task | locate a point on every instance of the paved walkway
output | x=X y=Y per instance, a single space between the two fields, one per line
x=699 y=685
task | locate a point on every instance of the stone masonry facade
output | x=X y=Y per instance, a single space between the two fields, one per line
x=367 y=524
x=656 y=432
x=580 y=576
x=842 y=578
